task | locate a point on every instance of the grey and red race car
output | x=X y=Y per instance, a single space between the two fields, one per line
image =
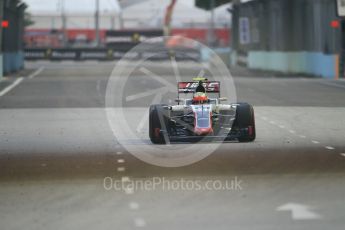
x=200 y=117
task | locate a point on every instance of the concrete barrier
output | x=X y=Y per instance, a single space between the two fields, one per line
x=12 y=61
x=312 y=63
x=1 y=67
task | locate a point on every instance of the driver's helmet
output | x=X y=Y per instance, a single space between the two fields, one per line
x=200 y=98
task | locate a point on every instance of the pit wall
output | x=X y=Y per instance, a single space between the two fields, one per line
x=317 y=64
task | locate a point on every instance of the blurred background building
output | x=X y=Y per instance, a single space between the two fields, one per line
x=288 y=36
x=77 y=18
x=295 y=36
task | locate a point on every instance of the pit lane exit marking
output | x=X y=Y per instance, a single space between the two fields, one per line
x=10 y=87
x=34 y=74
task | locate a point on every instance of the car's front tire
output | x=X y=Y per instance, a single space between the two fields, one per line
x=158 y=124
x=245 y=122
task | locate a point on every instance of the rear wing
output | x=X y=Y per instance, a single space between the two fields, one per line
x=190 y=87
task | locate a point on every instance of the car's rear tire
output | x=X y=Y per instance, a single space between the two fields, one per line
x=245 y=122
x=158 y=124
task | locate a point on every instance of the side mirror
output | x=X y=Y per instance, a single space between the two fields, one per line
x=223 y=99
x=178 y=100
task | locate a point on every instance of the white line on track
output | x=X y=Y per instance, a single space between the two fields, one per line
x=120 y=161
x=133 y=205
x=139 y=222
x=299 y=135
x=19 y=80
x=121 y=169
x=38 y=71
x=10 y=87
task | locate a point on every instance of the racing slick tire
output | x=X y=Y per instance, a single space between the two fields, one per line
x=158 y=124
x=245 y=122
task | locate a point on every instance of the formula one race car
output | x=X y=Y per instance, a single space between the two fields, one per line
x=201 y=118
